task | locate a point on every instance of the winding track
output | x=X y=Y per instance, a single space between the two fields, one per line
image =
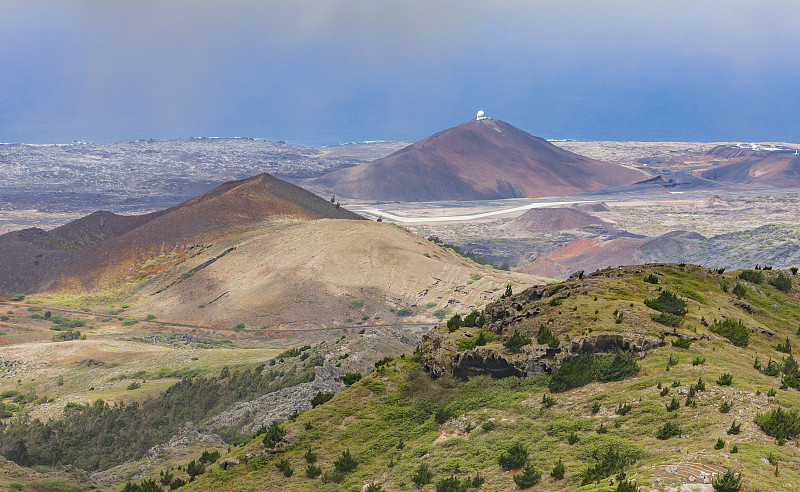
x=201 y=327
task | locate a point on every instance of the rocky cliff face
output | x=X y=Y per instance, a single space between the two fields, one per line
x=440 y=354
x=440 y=357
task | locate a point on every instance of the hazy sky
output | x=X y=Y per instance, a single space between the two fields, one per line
x=323 y=72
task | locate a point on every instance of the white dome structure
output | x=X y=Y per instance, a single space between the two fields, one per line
x=480 y=115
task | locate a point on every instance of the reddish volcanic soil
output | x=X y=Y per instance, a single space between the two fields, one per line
x=478 y=160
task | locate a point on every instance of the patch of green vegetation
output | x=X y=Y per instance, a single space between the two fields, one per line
x=733 y=330
x=585 y=368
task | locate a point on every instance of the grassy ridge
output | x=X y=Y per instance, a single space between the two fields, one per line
x=399 y=418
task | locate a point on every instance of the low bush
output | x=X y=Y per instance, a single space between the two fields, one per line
x=754 y=276
x=609 y=463
x=779 y=423
x=528 y=478
x=682 y=343
x=345 y=463
x=585 y=368
x=728 y=482
x=733 y=330
x=667 y=302
x=782 y=282
x=320 y=398
x=516 y=457
x=725 y=379
x=422 y=476
x=669 y=429
x=517 y=341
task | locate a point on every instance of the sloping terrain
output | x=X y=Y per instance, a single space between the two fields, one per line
x=781 y=170
x=326 y=272
x=773 y=245
x=610 y=390
x=103 y=248
x=549 y=220
x=477 y=160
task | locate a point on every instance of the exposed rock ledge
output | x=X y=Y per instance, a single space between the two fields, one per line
x=439 y=355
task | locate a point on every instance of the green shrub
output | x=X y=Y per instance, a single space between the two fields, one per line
x=334 y=476
x=735 y=428
x=624 y=485
x=351 y=377
x=667 y=302
x=725 y=379
x=547 y=401
x=310 y=456
x=621 y=366
x=667 y=319
x=733 y=330
x=740 y=291
x=572 y=438
x=720 y=443
x=177 y=483
x=422 y=476
x=785 y=348
x=623 y=409
x=609 y=463
x=209 y=456
x=651 y=279
x=728 y=482
x=313 y=471
x=595 y=407
x=516 y=457
x=779 y=423
x=134 y=386
x=558 y=470
x=682 y=343
x=782 y=282
x=699 y=361
x=18 y=297
x=320 y=398
x=406 y=311
x=454 y=323
x=345 y=463
x=673 y=405
x=576 y=372
x=451 y=484
x=517 y=341
x=195 y=468
x=374 y=488
x=754 y=276
x=668 y=430
x=129 y=321
x=477 y=481
x=772 y=369
x=528 y=478
x=475 y=318
x=273 y=434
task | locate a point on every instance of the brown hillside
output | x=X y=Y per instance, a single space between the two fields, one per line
x=549 y=220
x=299 y=274
x=478 y=160
x=778 y=170
x=595 y=253
x=103 y=248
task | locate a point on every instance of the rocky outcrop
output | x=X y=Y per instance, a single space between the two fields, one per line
x=609 y=342
x=281 y=404
x=506 y=312
x=440 y=357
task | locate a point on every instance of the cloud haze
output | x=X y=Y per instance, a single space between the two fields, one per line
x=332 y=71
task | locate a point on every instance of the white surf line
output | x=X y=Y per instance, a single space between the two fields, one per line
x=457 y=218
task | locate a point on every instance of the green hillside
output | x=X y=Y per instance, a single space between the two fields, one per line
x=399 y=422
